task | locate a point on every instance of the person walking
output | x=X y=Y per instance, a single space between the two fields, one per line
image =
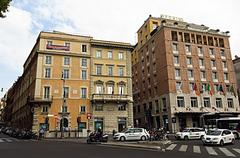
x=41 y=133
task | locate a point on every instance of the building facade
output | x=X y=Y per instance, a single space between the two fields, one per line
x=181 y=71
x=55 y=90
x=236 y=63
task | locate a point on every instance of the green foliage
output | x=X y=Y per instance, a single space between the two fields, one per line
x=4 y=4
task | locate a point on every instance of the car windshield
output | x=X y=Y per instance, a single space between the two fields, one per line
x=213 y=132
x=185 y=130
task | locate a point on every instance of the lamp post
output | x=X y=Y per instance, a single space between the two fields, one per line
x=63 y=106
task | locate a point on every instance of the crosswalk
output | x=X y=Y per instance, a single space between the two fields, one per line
x=11 y=140
x=214 y=151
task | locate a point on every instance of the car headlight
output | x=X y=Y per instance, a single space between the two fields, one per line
x=215 y=138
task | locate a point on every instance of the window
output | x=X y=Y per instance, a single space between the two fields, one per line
x=120 y=55
x=174 y=36
x=121 y=107
x=204 y=87
x=121 y=89
x=99 y=69
x=67 y=44
x=215 y=87
x=224 y=64
x=187 y=48
x=45 y=109
x=84 y=48
x=48 y=60
x=65 y=92
x=98 y=54
x=201 y=62
x=65 y=73
x=200 y=50
x=219 y=102
x=110 y=89
x=66 y=61
x=84 y=74
x=230 y=102
x=211 y=51
x=191 y=86
x=46 y=92
x=82 y=109
x=177 y=73
x=187 y=37
x=180 y=102
x=47 y=72
x=175 y=47
x=120 y=71
x=178 y=86
x=199 y=39
x=222 y=52
x=110 y=55
x=83 y=92
x=206 y=102
x=99 y=107
x=203 y=74
x=189 y=61
x=49 y=43
x=214 y=75
x=176 y=60
x=190 y=73
x=221 y=42
x=225 y=76
x=194 y=102
x=213 y=63
x=84 y=62
x=99 y=89
x=110 y=70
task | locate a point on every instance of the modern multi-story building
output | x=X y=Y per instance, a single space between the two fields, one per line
x=236 y=63
x=57 y=88
x=181 y=71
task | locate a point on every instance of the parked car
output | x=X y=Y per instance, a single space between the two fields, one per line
x=191 y=133
x=218 y=137
x=132 y=134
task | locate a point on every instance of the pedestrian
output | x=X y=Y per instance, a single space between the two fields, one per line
x=41 y=133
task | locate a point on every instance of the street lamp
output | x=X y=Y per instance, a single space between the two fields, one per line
x=63 y=106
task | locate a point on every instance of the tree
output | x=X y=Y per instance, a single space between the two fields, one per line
x=4 y=4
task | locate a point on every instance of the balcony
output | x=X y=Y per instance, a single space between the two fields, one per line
x=58 y=47
x=175 y=52
x=43 y=99
x=111 y=97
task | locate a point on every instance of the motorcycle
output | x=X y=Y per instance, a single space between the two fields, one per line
x=97 y=137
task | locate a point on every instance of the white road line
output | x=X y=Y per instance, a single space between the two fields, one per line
x=1 y=141
x=8 y=140
x=171 y=147
x=183 y=148
x=237 y=150
x=211 y=151
x=227 y=152
x=196 y=149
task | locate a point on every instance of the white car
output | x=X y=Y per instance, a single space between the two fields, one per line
x=218 y=137
x=191 y=133
x=132 y=134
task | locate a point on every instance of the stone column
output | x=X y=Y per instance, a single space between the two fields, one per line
x=130 y=114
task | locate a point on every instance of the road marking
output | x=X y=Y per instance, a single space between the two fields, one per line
x=8 y=140
x=237 y=150
x=196 y=149
x=211 y=151
x=183 y=148
x=1 y=141
x=171 y=147
x=227 y=152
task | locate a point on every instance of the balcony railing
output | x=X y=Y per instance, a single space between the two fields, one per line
x=41 y=99
x=110 y=97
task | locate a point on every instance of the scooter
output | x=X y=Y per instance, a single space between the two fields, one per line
x=97 y=137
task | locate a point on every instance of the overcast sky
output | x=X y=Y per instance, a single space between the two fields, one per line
x=101 y=19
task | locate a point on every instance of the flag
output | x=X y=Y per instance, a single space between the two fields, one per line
x=220 y=89
x=209 y=89
x=196 y=89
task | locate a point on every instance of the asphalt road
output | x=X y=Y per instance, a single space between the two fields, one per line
x=13 y=148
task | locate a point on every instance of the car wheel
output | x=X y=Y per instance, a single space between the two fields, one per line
x=221 y=143
x=143 y=138
x=235 y=135
x=233 y=141
x=122 y=138
x=185 y=137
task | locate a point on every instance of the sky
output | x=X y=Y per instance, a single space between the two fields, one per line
x=115 y=20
